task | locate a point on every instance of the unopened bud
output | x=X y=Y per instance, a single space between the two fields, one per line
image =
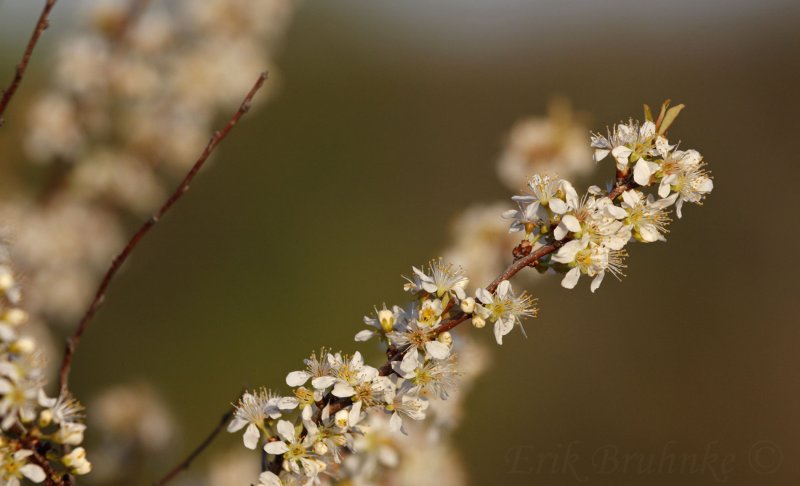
x=320 y=448
x=386 y=318
x=23 y=345
x=478 y=321
x=76 y=462
x=15 y=317
x=468 y=305
x=446 y=338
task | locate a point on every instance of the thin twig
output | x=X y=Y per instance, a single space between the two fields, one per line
x=74 y=340
x=19 y=72
x=186 y=463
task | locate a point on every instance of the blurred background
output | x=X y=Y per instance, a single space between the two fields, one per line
x=386 y=121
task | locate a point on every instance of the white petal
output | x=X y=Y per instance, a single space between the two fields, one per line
x=343 y=390
x=364 y=335
x=33 y=472
x=558 y=206
x=236 y=424
x=641 y=173
x=437 y=350
x=600 y=154
x=277 y=448
x=616 y=212
x=251 y=436
x=288 y=403
x=355 y=414
x=396 y=422
x=597 y=280
x=268 y=478
x=297 y=378
x=706 y=186
x=501 y=328
x=566 y=253
x=621 y=153
x=483 y=295
x=561 y=231
x=286 y=430
x=429 y=287
x=571 y=278
x=323 y=382
x=648 y=232
x=503 y=288
x=571 y=222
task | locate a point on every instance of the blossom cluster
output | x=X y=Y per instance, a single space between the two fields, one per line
x=594 y=229
x=39 y=433
x=312 y=434
x=337 y=397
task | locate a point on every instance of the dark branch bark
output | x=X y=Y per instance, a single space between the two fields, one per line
x=22 y=66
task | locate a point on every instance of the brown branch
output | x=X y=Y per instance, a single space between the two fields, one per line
x=19 y=72
x=624 y=182
x=74 y=340
x=52 y=478
x=336 y=404
x=187 y=462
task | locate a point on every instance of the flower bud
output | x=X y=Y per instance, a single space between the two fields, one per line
x=15 y=317
x=320 y=448
x=70 y=434
x=45 y=418
x=23 y=345
x=446 y=338
x=386 y=318
x=6 y=278
x=468 y=305
x=76 y=462
x=478 y=321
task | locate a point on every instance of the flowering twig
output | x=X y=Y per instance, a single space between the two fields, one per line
x=19 y=72
x=99 y=297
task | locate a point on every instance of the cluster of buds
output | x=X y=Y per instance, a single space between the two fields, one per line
x=40 y=435
x=309 y=435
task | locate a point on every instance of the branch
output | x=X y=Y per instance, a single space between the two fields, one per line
x=184 y=465
x=530 y=260
x=74 y=340
x=41 y=25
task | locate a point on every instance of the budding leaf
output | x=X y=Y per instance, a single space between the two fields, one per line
x=648 y=115
x=670 y=117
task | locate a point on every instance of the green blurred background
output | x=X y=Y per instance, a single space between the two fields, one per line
x=389 y=120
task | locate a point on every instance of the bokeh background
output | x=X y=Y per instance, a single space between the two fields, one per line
x=389 y=120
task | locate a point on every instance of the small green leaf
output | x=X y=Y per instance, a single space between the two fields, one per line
x=669 y=118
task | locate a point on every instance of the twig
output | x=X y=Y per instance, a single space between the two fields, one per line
x=186 y=463
x=19 y=72
x=74 y=340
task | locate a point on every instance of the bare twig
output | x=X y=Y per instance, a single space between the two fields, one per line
x=74 y=340
x=22 y=66
x=187 y=462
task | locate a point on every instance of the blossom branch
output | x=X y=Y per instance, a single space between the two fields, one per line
x=22 y=66
x=117 y=262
